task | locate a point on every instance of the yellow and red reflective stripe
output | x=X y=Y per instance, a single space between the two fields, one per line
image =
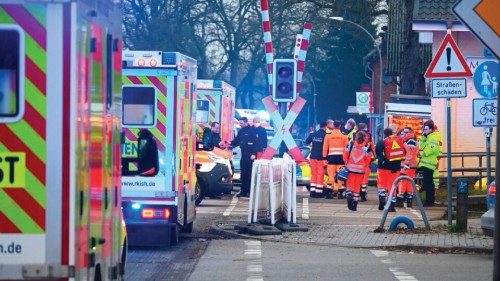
x=159 y=83
x=25 y=207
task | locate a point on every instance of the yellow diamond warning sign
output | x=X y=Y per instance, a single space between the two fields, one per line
x=395 y=145
x=12 y=169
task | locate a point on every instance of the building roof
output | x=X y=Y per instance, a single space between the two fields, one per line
x=434 y=10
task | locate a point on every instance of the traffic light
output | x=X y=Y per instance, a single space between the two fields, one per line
x=285 y=80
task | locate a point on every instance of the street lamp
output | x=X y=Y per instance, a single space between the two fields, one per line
x=381 y=120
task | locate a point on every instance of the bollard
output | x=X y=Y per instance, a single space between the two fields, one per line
x=462 y=198
x=417 y=198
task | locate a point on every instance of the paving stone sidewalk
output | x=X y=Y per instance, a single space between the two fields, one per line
x=330 y=223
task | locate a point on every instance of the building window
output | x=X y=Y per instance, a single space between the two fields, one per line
x=139 y=106
x=11 y=73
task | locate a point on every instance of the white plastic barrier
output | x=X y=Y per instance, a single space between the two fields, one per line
x=273 y=191
x=289 y=189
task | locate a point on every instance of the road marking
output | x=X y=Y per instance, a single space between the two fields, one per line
x=400 y=275
x=396 y=271
x=231 y=206
x=379 y=253
x=253 y=252
x=305 y=208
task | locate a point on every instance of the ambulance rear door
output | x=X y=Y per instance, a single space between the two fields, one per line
x=148 y=104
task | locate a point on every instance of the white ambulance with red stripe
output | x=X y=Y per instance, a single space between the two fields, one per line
x=158 y=141
x=215 y=102
x=60 y=204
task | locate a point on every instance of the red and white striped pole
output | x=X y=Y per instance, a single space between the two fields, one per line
x=268 y=42
x=300 y=54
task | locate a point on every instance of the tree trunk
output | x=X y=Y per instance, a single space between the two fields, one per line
x=410 y=75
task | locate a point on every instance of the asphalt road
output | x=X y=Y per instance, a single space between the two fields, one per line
x=203 y=256
x=255 y=260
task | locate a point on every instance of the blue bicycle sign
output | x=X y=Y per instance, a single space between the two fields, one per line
x=488 y=107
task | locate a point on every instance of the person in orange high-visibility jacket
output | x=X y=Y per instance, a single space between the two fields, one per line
x=317 y=161
x=408 y=167
x=356 y=158
x=390 y=153
x=370 y=148
x=333 y=150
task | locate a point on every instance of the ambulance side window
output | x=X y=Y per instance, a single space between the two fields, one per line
x=202 y=111
x=11 y=74
x=139 y=106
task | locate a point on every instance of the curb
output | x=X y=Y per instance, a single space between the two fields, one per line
x=228 y=234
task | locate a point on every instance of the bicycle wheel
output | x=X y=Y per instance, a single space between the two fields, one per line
x=483 y=110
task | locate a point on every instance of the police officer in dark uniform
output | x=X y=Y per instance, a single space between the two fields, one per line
x=261 y=136
x=247 y=141
x=317 y=161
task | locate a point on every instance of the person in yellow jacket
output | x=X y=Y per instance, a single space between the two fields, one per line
x=429 y=150
x=436 y=171
x=333 y=149
x=350 y=128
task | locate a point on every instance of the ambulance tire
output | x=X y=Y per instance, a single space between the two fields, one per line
x=401 y=219
x=97 y=274
x=174 y=236
x=199 y=193
x=123 y=259
x=187 y=227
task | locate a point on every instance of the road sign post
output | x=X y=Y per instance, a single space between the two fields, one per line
x=462 y=198
x=481 y=17
x=487 y=134
x=448 y=158
x=448 y=63
x=496 y=250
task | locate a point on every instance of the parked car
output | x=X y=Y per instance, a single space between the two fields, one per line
x=303 y=169
x=488 y=218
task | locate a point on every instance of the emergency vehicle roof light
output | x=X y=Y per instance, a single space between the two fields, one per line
x=168 y=58
x=217 y=84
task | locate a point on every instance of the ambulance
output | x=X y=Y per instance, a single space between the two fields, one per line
x=215 y=102
x=158 y=170
x=60 y=204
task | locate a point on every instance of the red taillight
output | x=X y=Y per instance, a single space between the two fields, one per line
x=148 y=213
x=492 y=190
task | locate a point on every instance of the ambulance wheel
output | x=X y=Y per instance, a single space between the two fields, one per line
x=97 y=275
x=123 y=259
x=187 y=227
x=174 y=236
x=401 y=219
x=199 y=194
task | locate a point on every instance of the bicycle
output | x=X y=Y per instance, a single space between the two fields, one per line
x=488 y=107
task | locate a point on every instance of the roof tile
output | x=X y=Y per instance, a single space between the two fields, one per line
x=439 y=10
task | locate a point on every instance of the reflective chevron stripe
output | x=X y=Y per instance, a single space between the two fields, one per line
x=22 y=208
